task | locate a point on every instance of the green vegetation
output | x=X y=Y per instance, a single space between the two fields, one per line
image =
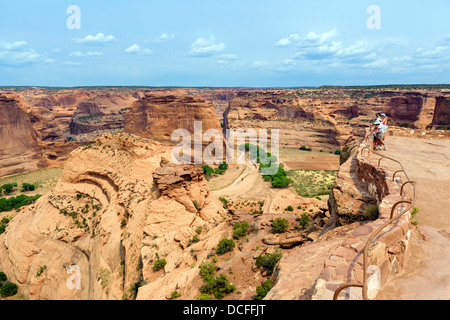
x=414 y=215
x=8 y=188
x=371 y=212
x=41 y=270
x=240 y=229
x=312 y=183
x=263 y=290
x=289 y=208
x=280 y=225
x=218 y=286
x=40 y=179
x=159 y=264
x=27 y=187
x=266 y=160
x=17 y=202
x=224 y=246
x=304 y=148
x=7 y=289
x=209 y=171
x=269 y=260
x=3 y=278
x=194 y=239
x=304 y=220
x=196 y=205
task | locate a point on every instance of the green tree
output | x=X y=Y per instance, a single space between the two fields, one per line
x=3 y=278
x=224 y=246
x=8 y=290
x=280 y=225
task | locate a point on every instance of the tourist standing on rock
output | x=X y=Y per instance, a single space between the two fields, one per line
x=378 y=136
x=384 y=127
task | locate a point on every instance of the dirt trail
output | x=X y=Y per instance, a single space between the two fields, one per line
x=426 y=275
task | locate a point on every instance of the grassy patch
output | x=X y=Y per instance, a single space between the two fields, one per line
x=312 y=183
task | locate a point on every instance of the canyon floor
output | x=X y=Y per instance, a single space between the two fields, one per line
x=426 y=276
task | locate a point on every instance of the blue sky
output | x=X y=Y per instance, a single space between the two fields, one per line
x=224 y=43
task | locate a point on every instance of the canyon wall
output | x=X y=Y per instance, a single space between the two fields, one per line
x=19 y=150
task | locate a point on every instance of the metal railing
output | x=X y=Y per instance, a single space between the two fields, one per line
x=378 y=231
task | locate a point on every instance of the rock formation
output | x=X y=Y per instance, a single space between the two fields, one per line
x=19 y=148
x=442 y=112
x=156 y=116
x=113 y=212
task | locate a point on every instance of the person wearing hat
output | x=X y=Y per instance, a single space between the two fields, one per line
x=378 y=135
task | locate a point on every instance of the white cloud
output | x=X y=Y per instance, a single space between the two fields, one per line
x=14 y=55
x=166 y=37
x=259 y=64
x=227 y=58
x=14 y=45
x=72 y=63
x=284 y=42
x=137 y=49
x=99 y=38
x=79 y=54
x=203 y=47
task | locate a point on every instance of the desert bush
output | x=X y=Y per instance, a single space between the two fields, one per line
x=280 y=225
x=159 y=264
x=3 y=278
x=289 y=208
x=304 y=220
x=9 y=187
x=371 y=212
x=27 y=187
x=269 y=261
x=205 y=296
x=224 y=246
x=263 y=290
x=8 y=290
x=240 y=229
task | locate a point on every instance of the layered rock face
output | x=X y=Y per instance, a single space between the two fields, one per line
x=156 y=116
x=442 y=112
x=112 y=214
x=405 y=109
x=103 y=112
x=324 y=118
x=300 y=121
x=19 y=148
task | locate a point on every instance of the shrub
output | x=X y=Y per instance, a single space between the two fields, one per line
x=240 y=229
x=304 y=220
x=27 y=187
x=196 y=205
x=219 y=287
x=337 y=152
x=223 y=166
x=289 y=208
x=261 y=291
x=269 y=261
x=3 y=278
x=304 y=148
x=205 y=296
x=8 y=290
x=17 y=202
x=159 y=264
x=371 y=212
x=280 y=225
x=9 y=187
x=224 y=246
x=207 y=170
